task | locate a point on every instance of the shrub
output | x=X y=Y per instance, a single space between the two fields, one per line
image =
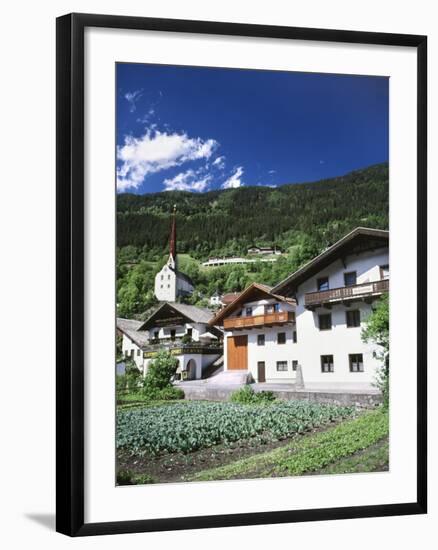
x=160 y=371
x=126 y=477
x=165 y=394
x=247 y=395
x=376 y=330
x=186 y=339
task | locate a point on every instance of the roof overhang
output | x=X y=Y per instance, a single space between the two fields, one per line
x=359 y=240
x=165 y=315
x=254 y=292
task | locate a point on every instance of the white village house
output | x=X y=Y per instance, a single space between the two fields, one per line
x=179 y=328
x=311 y=321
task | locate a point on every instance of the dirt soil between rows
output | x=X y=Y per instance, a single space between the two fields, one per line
x=174 y=467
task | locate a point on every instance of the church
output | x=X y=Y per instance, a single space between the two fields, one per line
x=179 y=328
x=171 y=284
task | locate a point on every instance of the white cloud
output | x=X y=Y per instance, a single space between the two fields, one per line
x=156 y=151
x=219 y=163
x=272 y=171
x=146 y=118
x=188 y=181
x=132 y=98
x=235 y=180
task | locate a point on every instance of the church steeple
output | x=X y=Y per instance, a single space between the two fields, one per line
x=172 y=248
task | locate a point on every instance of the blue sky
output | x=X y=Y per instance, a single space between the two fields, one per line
x=198 y=129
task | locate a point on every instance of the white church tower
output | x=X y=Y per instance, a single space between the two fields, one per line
x=170 y=284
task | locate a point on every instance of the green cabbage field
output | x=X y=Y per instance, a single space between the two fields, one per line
x=187 y=427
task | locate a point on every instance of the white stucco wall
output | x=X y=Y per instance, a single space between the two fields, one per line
x=165 y=285
x=128 y=346
x=340 y=341
x=164 y=332
x=271 y=352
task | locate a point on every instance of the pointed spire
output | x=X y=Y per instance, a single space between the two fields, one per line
x=173 y=235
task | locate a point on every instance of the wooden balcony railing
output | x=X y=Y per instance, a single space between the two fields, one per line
x=253 y=321
x=346 y=293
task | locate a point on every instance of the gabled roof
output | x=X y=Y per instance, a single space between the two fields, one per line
x=131 y=327
x=175 y=309
x=254 y=292
x=359 y=240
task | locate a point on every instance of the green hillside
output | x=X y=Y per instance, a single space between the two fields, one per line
x=302 y=219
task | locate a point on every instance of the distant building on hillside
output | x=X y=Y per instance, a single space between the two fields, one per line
x=215 y=299
x=171 y=284
x=236 y=260
x=265 y=250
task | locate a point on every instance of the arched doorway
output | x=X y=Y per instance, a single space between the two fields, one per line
x=191 y=369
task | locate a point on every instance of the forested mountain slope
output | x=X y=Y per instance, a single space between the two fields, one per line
x=228 y=221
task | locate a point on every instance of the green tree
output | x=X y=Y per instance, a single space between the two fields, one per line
x=376 y=330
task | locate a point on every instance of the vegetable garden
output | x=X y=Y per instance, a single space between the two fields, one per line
x=188 y=427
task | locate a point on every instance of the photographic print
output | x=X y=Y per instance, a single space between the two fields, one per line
x=252 y=271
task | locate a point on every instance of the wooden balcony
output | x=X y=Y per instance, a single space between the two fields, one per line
x=346 y=294
x=254 y=321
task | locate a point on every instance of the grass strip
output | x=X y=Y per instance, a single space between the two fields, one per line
x=372 y=459
x=307 y=453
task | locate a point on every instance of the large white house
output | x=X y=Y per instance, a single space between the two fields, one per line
x=311 y=322
x=170 y=283
x=179 y=328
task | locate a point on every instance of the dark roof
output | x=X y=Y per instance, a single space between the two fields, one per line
x=190 y=313
x=255 y=291
x=131 y=327
x=182 y=275
x=359 y=240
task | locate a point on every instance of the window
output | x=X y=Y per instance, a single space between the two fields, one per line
x=356 y=362
x=126 y=353
x=138 y=352
x=260 y=339
x=294 y=364
x=132 y=354
x=168 y=286
x=272 y=308
x=294 y=336
x=173 y=334
x=162 y=277
x=281 y=365
x=350 y=279
x=168 y=277
x=281 y=338
x=327 y=363
x=322 y=284
x=248 y=311
x=189 y=332
x=161 y=286
x=156 y=334
x=384 y=271
x=325 y=321
x=353 y=318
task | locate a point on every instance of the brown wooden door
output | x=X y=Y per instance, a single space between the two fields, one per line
x=261 y=372
x=237 y=352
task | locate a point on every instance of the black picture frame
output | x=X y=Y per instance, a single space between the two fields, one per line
x=70 y=273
